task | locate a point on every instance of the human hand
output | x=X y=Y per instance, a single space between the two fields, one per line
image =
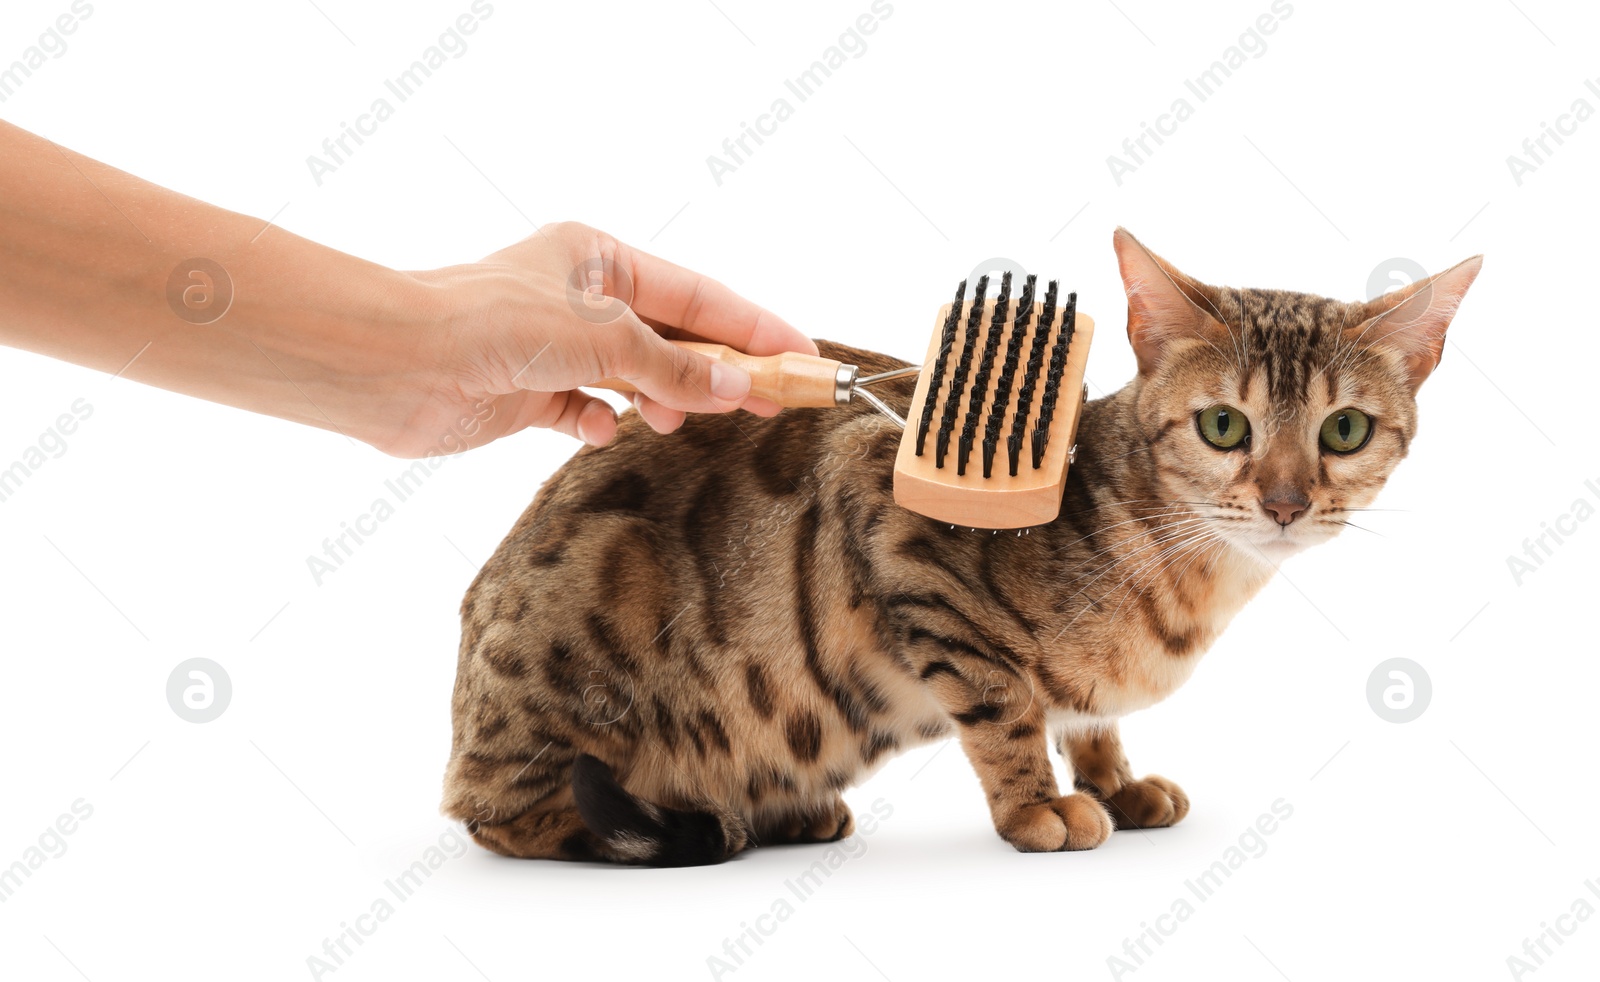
x=415 y=364
x=519 y=332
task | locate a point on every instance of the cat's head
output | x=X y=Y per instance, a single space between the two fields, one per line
x=1275 y=414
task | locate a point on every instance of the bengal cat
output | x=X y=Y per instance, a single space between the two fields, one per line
x=692 y=644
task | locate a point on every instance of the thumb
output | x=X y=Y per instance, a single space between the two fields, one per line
x=675 y=377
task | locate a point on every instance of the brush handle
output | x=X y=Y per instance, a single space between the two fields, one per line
x=791 y=379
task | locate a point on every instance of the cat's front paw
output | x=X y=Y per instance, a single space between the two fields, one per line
x=1071 y=822
x=1151 y=803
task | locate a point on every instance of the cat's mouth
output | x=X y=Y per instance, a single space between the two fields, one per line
x=1280 y=541
x=1261 y=538
x=1281 y=544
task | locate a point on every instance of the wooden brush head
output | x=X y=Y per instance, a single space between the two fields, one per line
x=995 y=415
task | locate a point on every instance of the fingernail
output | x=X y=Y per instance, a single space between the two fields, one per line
x=592 y=429
x=586 y=432
x=729 y=384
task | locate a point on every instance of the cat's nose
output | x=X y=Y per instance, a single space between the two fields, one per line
x=1285 y=508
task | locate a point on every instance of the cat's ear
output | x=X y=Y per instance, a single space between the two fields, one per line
x=1412 y=320
x=1164 y=305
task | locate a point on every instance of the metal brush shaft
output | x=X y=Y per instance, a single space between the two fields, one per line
x=859 y=388
x=793 y=380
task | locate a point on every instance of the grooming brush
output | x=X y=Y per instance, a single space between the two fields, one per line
x=793 y=380
x=995 y=415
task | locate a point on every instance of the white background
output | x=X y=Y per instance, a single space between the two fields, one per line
x=172 y=529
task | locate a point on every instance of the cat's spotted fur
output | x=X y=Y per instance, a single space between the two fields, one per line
x=691 y=644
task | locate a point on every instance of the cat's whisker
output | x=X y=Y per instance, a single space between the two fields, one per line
x=1163 y=522
x=1184 y=571
x=1162 y=561
x=1198 y=537
x=1116 y=561
x=1139 y=501
x=1171 y=534
x=1102 y=531
x=1163 y=533
x=1194 y=548
x=1175 y=548
x=1141 y=447
x=1151 y=512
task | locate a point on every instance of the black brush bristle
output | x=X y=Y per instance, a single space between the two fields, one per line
x=1052 y=382
x=958 y=381
x=1030 y=376
x=947 y=340
x=980 y=380
x=1008 y=373
x=986 y=378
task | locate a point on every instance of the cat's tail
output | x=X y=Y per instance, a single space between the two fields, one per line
x=637 y=831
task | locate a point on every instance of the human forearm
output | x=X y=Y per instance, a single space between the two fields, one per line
x=94 y=264
x=302 y=321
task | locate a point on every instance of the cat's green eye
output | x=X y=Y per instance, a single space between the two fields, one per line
x=1224 y=427
x=1346 y=431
